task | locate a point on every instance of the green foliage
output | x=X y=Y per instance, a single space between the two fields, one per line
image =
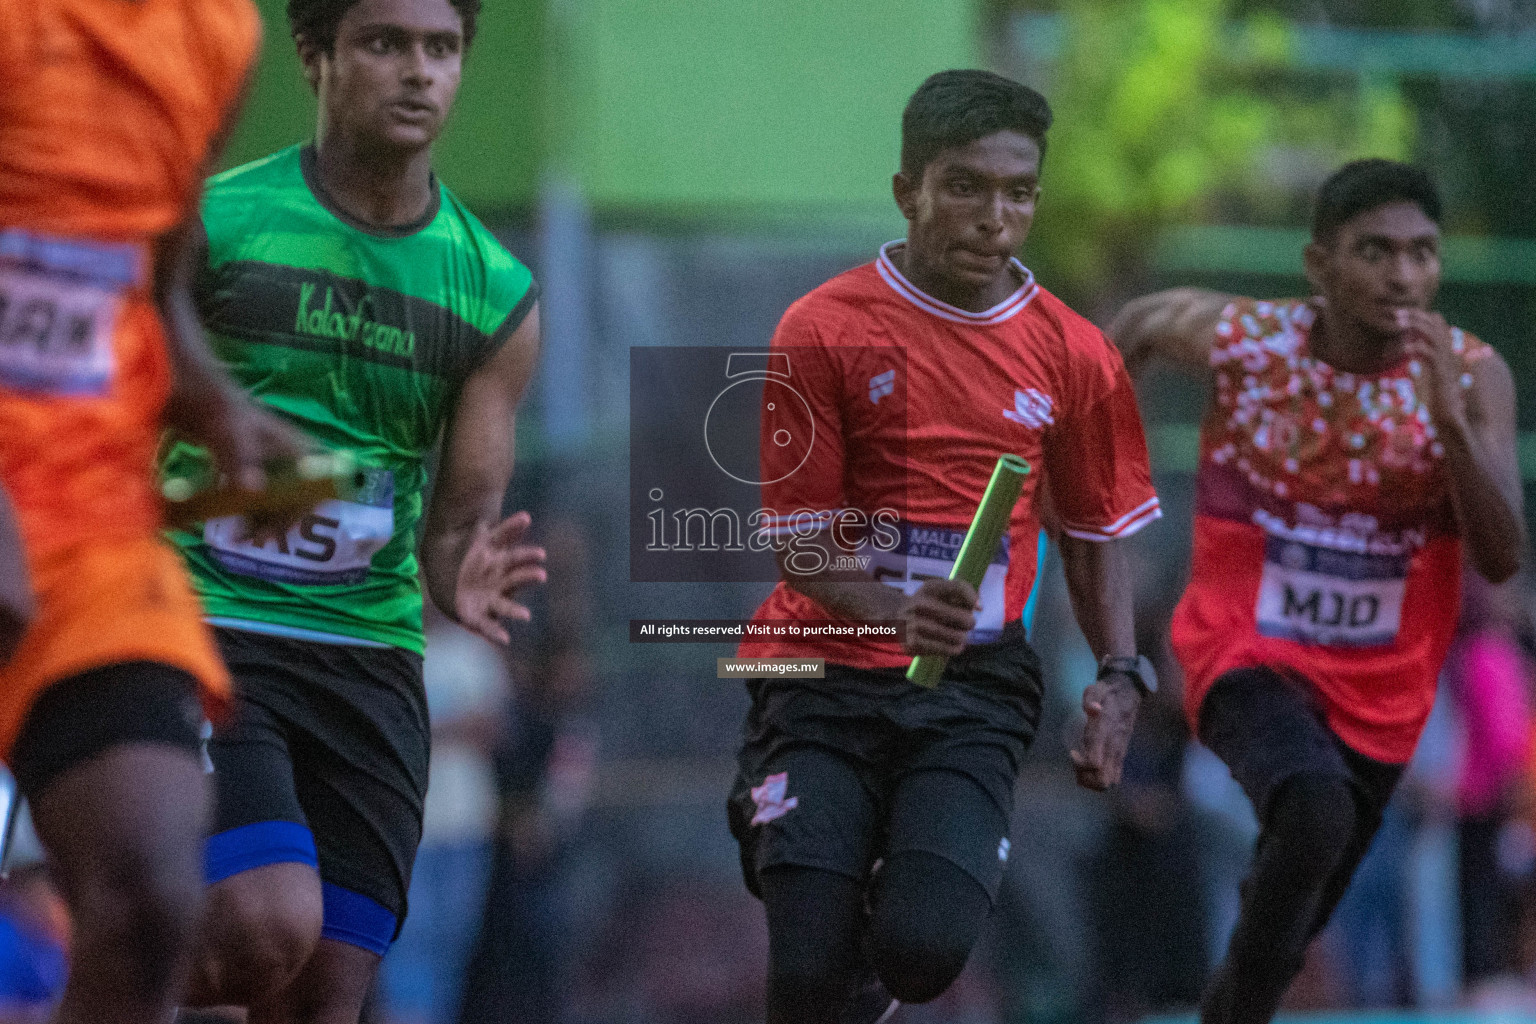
x=1174 y=110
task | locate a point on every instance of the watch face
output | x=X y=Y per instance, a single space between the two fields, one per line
x=731 y=428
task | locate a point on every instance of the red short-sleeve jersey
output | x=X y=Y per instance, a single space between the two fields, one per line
x=1325 y=541
x=913 y=401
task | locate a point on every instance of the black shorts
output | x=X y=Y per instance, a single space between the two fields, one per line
x=78 y=718
x=325 y=763
x=823 y=759
x=1269 y=727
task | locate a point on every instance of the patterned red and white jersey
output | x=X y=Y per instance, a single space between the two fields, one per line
x=1325 y=541
x=913 y=400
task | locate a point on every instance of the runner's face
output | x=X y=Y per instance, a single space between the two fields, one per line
x=1382 y=261
x=394 y=72
x=972 y=210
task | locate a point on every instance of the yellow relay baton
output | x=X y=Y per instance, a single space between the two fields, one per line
x=981 y=540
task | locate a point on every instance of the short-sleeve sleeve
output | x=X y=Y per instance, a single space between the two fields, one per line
x=232 y=43
x=1096 y=456
x=801 y=430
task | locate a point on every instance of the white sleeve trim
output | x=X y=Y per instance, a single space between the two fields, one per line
x=1148 y=511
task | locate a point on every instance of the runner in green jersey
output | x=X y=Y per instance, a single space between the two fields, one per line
x=350 y=292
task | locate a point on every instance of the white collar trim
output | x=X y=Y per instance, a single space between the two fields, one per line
x=1004 y=310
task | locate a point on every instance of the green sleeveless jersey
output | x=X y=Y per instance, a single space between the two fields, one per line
x=362 y=338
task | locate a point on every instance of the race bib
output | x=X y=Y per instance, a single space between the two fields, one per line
x=1330 y=598
x=929 y=553
x=332 y=546
x=59 y=303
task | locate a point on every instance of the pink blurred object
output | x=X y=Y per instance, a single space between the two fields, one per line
x=1488 y=672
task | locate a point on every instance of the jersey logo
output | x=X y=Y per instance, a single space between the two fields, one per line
x=332 y=320
x=881 y=384
x=1002 y=849
x=770 y=799
x=1030 y=408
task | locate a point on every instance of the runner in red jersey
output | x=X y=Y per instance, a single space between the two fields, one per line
x=913 y=400
x=918 y=371
x=1354 y=446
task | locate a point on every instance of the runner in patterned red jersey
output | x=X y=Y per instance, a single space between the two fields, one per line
x=1355 y=449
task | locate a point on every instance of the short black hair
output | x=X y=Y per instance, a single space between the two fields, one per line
x=317 y=20
x=1364 y=185
x=955 y=108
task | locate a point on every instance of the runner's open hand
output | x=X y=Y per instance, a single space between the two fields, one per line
x=1111 y=706
x=939 y=616
x=495 y=566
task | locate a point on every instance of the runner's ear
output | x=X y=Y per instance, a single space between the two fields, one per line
x=310 y=56
x=905 y=189
x=1314 y=261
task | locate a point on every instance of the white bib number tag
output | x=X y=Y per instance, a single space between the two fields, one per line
x=55 y=332
x=1330 y=598
x=929 y=553
x=332 y=546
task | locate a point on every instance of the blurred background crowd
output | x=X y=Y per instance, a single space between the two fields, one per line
x=677 y=172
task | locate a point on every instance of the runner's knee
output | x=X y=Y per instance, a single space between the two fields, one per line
x=260 y=929
x=1312 y=820
x=927 y=915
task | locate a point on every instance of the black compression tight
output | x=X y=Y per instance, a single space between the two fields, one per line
x=1313 y=837
x=926 y=915
x=815 y=920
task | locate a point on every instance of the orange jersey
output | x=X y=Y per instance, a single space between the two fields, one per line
x=107 y=108
x=109 y=603
x=107 y=111
x=1325 y=540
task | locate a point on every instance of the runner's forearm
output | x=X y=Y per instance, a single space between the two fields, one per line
x=1176 y=327
x=200 y=382
x=16 y=606
x=861 y=600
x=846 y=593
x=444 y=544
x=475 y=469
x=441 y=555
x=1486 y=511
x=1099 y=582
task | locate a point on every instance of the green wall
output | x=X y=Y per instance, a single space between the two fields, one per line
x=782 y=106
x=776 y=109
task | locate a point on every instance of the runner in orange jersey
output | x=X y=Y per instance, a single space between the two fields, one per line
x=108 y=112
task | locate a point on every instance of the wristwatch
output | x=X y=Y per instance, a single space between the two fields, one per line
x=1139 y=668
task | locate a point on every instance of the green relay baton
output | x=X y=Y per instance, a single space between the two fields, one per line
x=981 y=541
